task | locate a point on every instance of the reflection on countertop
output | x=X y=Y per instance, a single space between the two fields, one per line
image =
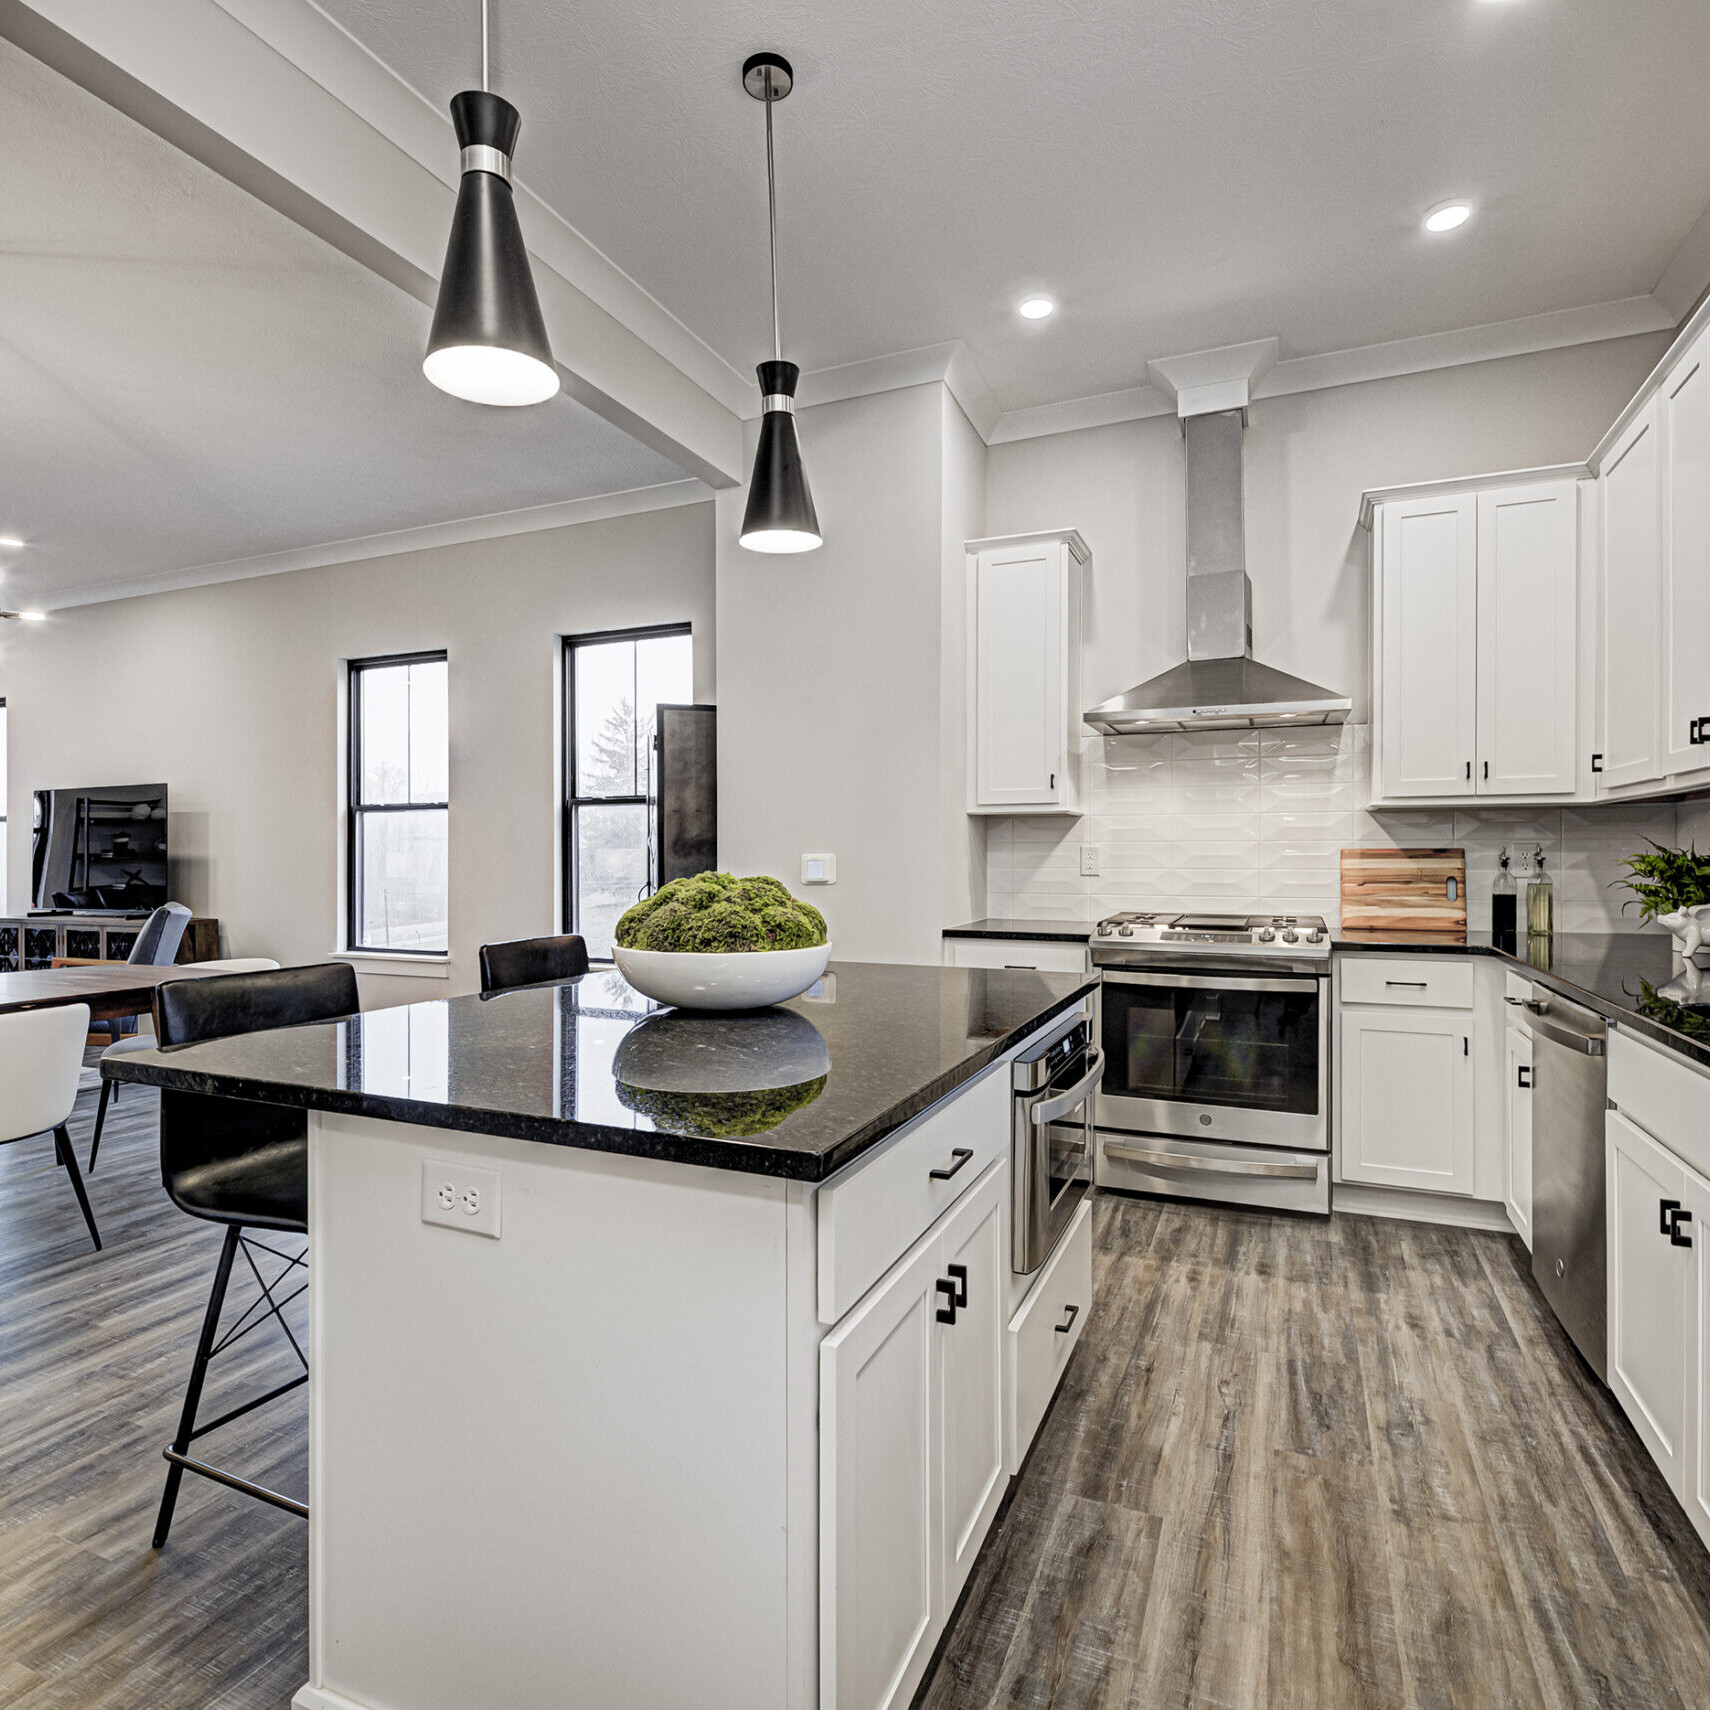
x=796 y=1090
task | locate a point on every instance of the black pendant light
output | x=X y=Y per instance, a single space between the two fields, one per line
x=488 y=342
x=780 y=515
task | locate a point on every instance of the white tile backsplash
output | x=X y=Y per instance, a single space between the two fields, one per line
x=1260 y=819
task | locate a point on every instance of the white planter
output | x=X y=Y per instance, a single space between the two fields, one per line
x=1690 y=927
x=748 y=979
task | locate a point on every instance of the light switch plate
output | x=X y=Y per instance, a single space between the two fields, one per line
x=819 y=869
x=460 y=1196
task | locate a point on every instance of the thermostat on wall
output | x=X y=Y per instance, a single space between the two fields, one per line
x=819 y=869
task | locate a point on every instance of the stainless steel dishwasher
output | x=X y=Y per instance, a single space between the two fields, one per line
x=1570 y=1079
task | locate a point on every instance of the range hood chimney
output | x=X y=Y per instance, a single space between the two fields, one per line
x=1222 y=686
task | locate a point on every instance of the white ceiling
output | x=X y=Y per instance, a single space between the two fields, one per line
x=1179 y=173
x=189 y=378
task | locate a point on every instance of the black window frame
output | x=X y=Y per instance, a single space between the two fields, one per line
x=571 y=802
x=355 y=808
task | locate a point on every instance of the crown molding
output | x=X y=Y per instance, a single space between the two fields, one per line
x=1687 y=276
x=460 y=531
x=950 y=363
x=1555 y=330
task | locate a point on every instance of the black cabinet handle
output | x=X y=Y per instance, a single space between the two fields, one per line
x=1692 y=732
x=1669 y=1207
x=1068 y=1323
x=961 y=1154
x=1487 y=771
x=946 y=1314
x=960 y=1273
x=1597 y=762
x=1523 y=1076
x=1466 y=1046
x=1469 y=771
x=1676 y=1238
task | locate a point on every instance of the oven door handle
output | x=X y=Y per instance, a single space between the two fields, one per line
x=1208 y=1166
x=1129 y=975
x=1050 y=1109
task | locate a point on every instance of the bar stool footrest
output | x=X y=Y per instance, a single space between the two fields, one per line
x=232 y=1482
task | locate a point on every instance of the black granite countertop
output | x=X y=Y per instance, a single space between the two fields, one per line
x=1623 y=976
x=798 y=1090
x=1056 y=931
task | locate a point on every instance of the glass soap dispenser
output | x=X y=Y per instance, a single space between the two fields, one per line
x=1540 y=900
x=1504 y=904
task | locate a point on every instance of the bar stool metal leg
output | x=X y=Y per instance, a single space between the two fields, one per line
x=198 y=1371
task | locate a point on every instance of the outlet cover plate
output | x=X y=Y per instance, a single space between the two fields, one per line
x=460 y=1196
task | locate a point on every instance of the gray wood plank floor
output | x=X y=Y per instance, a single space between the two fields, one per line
x=94 y=1352
x=1293 y=1464
x=1312 y=1464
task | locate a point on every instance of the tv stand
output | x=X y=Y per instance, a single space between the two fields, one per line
x=39 y=938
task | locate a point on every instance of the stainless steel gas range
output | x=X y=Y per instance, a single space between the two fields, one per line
x=1216 y=1037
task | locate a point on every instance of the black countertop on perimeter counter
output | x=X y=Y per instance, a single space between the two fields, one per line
x=797 y=1090
x=1056 y=931
x=1620 y=975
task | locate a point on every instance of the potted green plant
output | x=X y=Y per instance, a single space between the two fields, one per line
x=1672 y=888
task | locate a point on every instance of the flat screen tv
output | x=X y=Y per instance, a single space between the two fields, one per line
x=100 y=851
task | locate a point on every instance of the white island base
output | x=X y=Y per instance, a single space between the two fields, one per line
x=580 y=1464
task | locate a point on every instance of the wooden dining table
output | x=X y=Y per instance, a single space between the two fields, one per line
x=111 y=989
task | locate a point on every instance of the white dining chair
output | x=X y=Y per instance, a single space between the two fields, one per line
x=147 y=1041
x=41 y=1053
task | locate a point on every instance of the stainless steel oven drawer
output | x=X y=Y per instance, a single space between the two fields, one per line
x=1265 y=1176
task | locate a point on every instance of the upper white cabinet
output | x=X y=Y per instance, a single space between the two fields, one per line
x=1477 y=645
x=1631 y=606
x=1024 y=672
x=1685 y=431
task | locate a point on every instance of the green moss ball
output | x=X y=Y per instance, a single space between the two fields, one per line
x=710 y=913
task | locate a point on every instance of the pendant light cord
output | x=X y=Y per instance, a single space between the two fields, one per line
x=772 y=218
x=486 y=80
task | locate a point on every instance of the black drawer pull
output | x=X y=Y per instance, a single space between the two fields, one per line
x=1675 y=1235
x=961 y=1154
x=1068 y=1323
x=1669 y=1207
x=1523 y=1076
x=1419 y=984
x=946 y=1314
x=960 y=1273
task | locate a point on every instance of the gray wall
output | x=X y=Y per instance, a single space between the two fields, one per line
x=232 y=693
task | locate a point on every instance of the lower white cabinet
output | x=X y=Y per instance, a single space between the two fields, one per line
x=1406 y=1108
x=911 y=1453
x=1654 y=1342
x=1038 y=955
x=1517 y=1177
x=1044 y=1332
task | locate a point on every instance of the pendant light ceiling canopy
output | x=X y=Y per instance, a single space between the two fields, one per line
x=780 y=515
x=488 y=342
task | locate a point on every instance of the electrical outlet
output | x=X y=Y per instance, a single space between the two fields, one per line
x=460 y=1196
x=1089 y=860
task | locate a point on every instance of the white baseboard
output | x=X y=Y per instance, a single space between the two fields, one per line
x=1360 y=1200
x=319 y=1698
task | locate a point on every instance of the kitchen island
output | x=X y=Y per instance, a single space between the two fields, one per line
x=635 y=1375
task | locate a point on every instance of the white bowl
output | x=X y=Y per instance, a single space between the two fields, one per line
x=742 y=979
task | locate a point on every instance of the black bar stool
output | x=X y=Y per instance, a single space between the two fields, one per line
x=245 y=1165
x=532 y=962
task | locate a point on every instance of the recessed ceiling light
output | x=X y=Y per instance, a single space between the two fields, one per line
x=10 y=542
x=33 y=617
x=1447 y=215
x=1035 y=308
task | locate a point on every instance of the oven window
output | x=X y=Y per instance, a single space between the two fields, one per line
x=1258 y=1050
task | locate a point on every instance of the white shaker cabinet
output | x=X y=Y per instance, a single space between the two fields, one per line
x=1024 y=673
x=1477 y=644
x=911 y=1453
x=1650 y=1292
x=1428 y=646
x=1685 y=622
x=1406 y=1112
x=1517 y=1177
x=1528 y=651
x=1631 y=605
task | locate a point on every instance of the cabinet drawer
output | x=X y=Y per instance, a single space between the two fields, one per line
x=1039 y=1348
x=871 y=1213
x=1415 y=982
x=1664 y=1096
x=1040 y=954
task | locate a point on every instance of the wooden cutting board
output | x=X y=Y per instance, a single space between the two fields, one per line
x=1404 y=890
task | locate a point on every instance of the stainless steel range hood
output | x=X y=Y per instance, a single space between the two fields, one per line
x=1221 y=686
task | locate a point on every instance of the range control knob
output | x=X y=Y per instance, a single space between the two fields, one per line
x=1290 y=936
x=1314 y=936
x=1125 y=932
x=1266 y=935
